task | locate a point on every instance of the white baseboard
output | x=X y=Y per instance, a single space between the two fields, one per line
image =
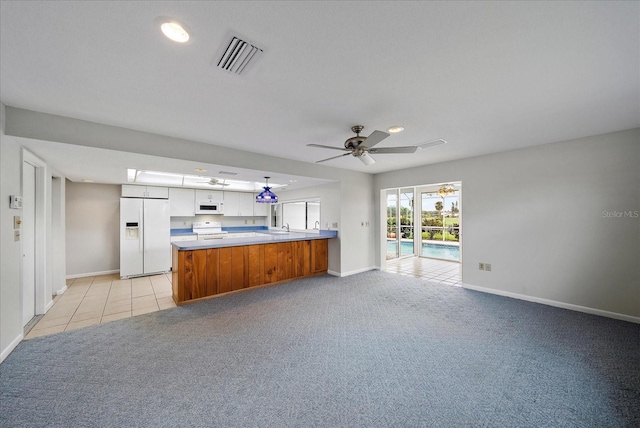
x=62 y=290
x=48 y=306
x=557 y=304
x=5 y=352
x=353 y=272
x=84 y=275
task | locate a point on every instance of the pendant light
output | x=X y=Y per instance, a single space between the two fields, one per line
x=267 y=196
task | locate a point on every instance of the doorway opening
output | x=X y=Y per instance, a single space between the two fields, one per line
x=424 y=223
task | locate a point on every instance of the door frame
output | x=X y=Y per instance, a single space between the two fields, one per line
x=40 y=250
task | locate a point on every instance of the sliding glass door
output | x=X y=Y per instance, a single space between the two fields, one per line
x=400 y=222
x=440 y=223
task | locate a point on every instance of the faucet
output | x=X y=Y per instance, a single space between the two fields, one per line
x=317 y=225
x=286 y=227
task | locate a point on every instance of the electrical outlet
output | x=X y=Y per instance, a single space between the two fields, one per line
x=362 y=224
x=481 y=266
x=366 y=224
x=245 y=222
x=487 y=267
x=16 y=235
x=334 y=225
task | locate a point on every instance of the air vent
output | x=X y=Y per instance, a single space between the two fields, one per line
x=227 y=173
x=238 y=56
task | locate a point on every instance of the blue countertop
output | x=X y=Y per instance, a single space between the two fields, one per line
x=263 y=237
x=230 y=229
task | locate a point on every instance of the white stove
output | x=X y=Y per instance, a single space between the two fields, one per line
x=208 y=229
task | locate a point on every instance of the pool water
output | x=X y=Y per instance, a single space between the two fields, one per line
x=447 y=252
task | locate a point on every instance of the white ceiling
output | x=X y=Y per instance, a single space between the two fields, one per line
x=485 y=76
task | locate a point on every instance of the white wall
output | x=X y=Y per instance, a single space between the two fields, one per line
x=330 y=212
x=538 y=215
x=10 y=254
x=92 y=223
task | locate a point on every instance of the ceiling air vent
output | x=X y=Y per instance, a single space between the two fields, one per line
x=239 y=55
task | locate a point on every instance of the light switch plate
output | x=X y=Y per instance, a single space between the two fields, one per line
x=15 y=202
x=16 y=222
x=16 y=235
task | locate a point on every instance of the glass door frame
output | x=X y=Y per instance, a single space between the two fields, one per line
x=398 y=227
x=417 y=220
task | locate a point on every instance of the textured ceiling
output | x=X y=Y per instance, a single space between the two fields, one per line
x=485 y=76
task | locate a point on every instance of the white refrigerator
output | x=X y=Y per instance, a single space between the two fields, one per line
x=145 y=236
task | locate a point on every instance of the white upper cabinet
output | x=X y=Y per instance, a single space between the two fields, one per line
x=209 y=195
x=135 y=191
x=238 y=204
x=182 y=202
x=260 y=210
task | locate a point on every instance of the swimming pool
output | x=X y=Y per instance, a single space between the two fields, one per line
x=447 y=252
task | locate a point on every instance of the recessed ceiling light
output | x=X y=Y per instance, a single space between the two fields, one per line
x=200 y=170
x=87 y=180
x=293 y=181
x=175 y=31
x=395 y=129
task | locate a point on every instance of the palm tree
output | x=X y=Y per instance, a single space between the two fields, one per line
x=439 y=206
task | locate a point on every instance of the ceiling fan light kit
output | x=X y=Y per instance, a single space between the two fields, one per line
x=360 y=147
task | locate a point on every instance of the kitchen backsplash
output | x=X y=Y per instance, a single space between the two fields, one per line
x=187 y=222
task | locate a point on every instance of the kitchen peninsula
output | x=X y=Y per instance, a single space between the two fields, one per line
x=208 y=268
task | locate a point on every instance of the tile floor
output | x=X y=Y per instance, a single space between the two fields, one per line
x=100 y=299
x=440 y=271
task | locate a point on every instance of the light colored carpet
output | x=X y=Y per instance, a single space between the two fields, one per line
x=369 y=350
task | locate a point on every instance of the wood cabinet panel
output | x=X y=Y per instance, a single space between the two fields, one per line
x=237 y=268
x=254 y=266
x=195 y=267
x=177 y=275
x=285 y=260
x=213 y=269
x=319 y=255
x=270 y=263
x=206 y=272
x=224 y=276
x=302 y=259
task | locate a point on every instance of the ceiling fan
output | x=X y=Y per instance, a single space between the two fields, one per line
x=360 y=147
x=215 y=182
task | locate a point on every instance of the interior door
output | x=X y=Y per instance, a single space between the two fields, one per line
x=28 y=238
x=157 y=235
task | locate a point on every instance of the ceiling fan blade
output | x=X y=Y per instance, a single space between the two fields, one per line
x=375 y=138
x=335 y=157
x=366 y=159
x=328 y=147
x=402 y=149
